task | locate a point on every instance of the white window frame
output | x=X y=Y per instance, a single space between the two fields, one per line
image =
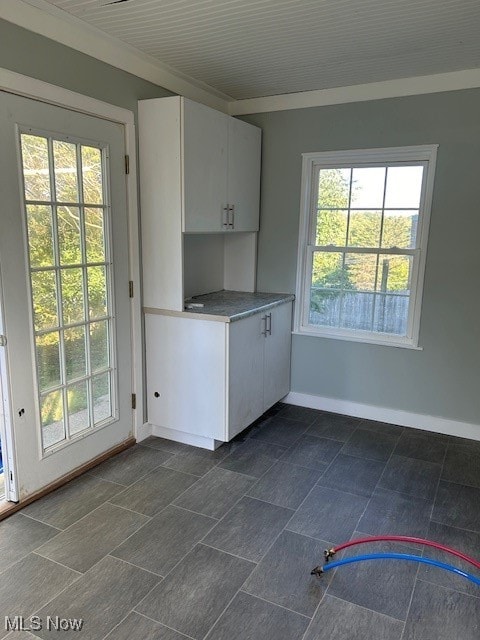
x=423 y=154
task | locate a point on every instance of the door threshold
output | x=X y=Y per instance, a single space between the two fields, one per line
x=9 y=508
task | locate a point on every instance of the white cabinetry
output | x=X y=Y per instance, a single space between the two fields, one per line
x=221 y=170
x=205 y=165
x=217 y=159
x=277 y=354
x=243 y=178
x=208 y=380
x=199 y=176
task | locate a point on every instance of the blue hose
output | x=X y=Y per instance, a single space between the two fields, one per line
x=401 y=556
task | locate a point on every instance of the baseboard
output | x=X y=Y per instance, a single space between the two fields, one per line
x=144 y=431
x=9 y=508
x=185 y=438
x=383 y=414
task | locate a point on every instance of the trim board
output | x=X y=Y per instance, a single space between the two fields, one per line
x=383 y=414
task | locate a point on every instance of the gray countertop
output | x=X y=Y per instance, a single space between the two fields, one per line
x=234 y=305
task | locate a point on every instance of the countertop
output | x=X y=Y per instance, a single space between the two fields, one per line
x=228 y=306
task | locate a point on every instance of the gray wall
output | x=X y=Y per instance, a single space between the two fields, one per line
x=444 y=378
x=33 y=55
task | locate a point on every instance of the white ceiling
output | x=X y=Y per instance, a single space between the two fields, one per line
x=253 y=48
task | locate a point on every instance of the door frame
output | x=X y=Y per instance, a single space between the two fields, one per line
x=32 y=88
x=6 y=424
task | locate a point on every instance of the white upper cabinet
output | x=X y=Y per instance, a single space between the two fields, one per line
x=244 y=156
x=214 y=159
x=221 y=179
x=205 y=163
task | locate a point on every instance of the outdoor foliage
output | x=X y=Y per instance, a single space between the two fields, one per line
x=81 y=241
x=335 y=273
x=364 y=230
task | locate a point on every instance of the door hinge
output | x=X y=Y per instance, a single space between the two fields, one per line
x=127 y=165
x=3 y=341
x=134 y=400
x=130 y=289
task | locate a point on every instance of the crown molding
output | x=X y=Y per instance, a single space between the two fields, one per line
x=50 y=21
x=467 y=79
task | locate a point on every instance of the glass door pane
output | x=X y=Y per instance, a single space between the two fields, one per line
x=67 y=218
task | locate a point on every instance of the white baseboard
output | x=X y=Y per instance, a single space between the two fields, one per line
x=144 y=431
x=383 y=414
x=185 y=438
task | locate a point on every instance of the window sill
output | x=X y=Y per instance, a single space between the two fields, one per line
x=368 y=339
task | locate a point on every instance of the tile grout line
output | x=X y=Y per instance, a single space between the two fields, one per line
x=117 y=626
x=366 y=507
x=64 y=566
x=76 y=580
x=197 y=513
x=275 y=604
x=59 y=530
x=443 y=586
x=131 y=564
x=410 y=602
x=438 y=484
x=163 y=625
x=451 y=526
x=160 y=511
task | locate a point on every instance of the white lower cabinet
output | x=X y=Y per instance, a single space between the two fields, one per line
x=276 y=369
x=208 y=380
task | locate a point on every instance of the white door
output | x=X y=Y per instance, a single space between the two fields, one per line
x=244 y=157
x=205 y=167
x=64 y=265
x=246 y=354
x=277 y=354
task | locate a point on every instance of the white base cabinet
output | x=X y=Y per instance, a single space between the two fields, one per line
x=208 y=380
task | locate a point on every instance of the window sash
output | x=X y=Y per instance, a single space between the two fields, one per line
x=312 y=165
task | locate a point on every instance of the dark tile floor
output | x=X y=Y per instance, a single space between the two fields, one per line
x=165 y=541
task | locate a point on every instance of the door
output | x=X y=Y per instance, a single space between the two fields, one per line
x=277 y=354
x=65 y=272
x=205 y=139
x=244 y=153
x=245 y=367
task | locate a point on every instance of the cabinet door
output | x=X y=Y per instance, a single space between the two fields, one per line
x=245 y=388
x=277 y=354
x=186 y=375
x=205 y=167
x=244 y=151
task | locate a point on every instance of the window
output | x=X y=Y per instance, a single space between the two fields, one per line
x=362 y=244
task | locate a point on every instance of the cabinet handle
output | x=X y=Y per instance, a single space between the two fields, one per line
x=225 y=216
x=268 y=324
x=231 y=216
x=264 y=332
